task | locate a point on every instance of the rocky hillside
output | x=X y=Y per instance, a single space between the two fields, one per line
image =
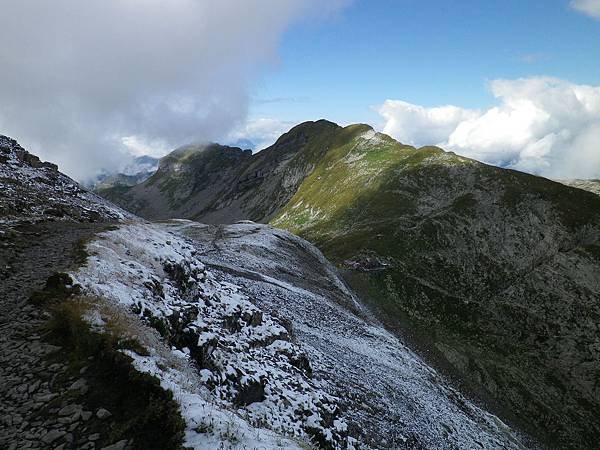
x=265 y=347
x=35 y=191
x=494 y=273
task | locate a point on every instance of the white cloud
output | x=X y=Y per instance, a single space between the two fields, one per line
x=79 y=76
x=137 y=146
x=417 y=125
x=588 y=7
x=541 y=125
x=261 y=132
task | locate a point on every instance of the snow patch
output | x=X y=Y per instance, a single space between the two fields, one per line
x=252 y=383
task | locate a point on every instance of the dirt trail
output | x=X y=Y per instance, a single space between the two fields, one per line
x=31 y=370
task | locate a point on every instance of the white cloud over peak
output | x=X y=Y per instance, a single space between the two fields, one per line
x=78 y=76
x=588 y=7
x=418 y=125
x=540 y=125
x=261 y=132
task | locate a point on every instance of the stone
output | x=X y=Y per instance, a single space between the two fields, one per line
x=52 y=436
x=103 y=414
x=78 y=385
x=69 y=410
x=116 y=446
x=44 y=397
x=94 y=437
x=34 y=386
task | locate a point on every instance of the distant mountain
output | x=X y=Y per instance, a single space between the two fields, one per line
x=139 y=169
x=494 y=273
x=224 y=184
x=245 y=144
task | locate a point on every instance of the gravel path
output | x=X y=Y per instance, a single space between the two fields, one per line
x=39 y=407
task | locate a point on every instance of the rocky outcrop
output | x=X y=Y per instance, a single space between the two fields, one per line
x=10 y=150
x=388 y=396
x=243 y=356
x=32 y=190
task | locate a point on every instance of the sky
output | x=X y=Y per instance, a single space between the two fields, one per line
x=514 y=83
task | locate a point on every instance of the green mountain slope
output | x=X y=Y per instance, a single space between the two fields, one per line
x=498 y=271
x=224 y=184
x=187 y=181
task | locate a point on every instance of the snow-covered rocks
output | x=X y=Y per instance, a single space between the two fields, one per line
x=388 y=396
x=240 y=362
x=33 y=190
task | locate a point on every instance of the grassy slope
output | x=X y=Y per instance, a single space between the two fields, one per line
x=499 y=270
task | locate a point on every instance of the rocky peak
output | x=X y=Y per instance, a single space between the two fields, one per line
x=12 y=153
x=300 y=134
x=33 y=190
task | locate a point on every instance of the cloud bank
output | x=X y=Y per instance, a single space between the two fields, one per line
x=541 y=125
x=259 y=133
x=588 y=7
x=82 y=82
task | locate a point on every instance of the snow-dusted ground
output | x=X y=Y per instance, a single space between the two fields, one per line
x=239 y=379
x=265 y=347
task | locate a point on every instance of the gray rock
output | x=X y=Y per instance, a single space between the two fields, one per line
x=69 y=410
x=103 y=414
x=116 y=446
x=78 y=385
x=52 y=436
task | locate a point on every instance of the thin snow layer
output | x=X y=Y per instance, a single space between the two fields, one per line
x=39 y=193
x=389 y=397
x=246 y=385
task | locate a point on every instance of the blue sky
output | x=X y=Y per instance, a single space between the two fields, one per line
x=428 y=52
x=510 y=82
